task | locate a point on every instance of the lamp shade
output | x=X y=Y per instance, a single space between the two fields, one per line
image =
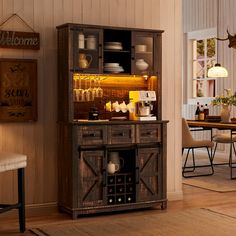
x=217 y=71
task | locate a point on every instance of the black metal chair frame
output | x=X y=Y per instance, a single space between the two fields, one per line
x=192 y=168
x=21 y=201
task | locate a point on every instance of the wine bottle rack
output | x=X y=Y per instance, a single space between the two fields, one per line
x=121 y=188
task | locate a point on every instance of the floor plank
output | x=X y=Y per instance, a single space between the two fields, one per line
x=193 y=198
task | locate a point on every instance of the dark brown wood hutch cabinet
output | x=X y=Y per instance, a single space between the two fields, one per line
x=97 y=66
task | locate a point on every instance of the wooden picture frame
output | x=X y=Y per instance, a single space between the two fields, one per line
x=18 y=90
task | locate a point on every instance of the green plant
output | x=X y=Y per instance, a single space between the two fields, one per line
x=229 y=99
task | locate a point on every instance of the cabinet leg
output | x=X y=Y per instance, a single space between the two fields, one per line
x=74 y=215
x=164 y=205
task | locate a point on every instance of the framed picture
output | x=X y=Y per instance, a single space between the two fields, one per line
x=18 y=90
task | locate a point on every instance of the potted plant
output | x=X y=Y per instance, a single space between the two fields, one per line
x=226 y=102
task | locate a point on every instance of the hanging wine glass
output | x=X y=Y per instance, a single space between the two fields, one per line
x=80 y=90
x=91 y=90
x=99 y=90
x=86 y=95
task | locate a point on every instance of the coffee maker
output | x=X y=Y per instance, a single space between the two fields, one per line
x=143 y=105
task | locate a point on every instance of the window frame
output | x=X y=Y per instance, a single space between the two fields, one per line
x=189 y=80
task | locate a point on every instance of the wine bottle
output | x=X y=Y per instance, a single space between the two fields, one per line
x=197 y=112
x=206 y=111
x=201 y=113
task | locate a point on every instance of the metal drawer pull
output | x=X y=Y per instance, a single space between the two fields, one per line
x=89 y=135
x=119 y=134
x=148 y=133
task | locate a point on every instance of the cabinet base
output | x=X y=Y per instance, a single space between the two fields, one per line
x=114 y=208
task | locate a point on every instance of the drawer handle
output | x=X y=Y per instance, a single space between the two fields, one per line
x=148 y=133
x=89 y=135
x=122 y=134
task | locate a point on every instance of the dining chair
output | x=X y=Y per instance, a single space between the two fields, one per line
x=189 y=143
x=15 y=161
x=226 y=138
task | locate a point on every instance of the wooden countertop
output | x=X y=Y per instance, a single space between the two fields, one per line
x=117 y=122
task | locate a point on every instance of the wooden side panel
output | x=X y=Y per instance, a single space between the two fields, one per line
x=66 y=166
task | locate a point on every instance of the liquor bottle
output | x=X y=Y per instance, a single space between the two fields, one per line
x=201 y=113
x=206 y=111
x=197 y=112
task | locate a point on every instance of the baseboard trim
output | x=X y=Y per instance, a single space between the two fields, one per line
x=174 y=196
x=41 y=209
x=34 y=210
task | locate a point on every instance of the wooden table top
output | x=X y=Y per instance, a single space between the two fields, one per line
x=207 y=124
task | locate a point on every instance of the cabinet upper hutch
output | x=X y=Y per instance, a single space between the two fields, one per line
x=97 y=68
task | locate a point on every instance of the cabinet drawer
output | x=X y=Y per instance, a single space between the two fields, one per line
x=92 y=135
x=121 y=134
x=148 y=133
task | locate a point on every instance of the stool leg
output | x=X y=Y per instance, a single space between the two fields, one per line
x=21 y=199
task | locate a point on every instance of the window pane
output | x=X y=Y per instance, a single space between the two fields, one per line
x=211 y=62
x=200 y=49
x=211 y=46
x=200 y=89
x=210 y=88
x=198 y=69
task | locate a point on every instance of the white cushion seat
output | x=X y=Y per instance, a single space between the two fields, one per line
x=224 y=138
x=12 y=161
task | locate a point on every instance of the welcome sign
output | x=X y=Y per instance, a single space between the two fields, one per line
x=19 y=40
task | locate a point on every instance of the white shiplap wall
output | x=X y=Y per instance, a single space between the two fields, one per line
x=38 y=140
x=199 y=14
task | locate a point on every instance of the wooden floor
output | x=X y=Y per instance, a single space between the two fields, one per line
x=193 y=198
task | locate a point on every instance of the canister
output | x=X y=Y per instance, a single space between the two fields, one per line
x=91 y=42
x=81 y=40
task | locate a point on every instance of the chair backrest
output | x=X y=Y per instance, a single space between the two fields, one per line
x=187 y=138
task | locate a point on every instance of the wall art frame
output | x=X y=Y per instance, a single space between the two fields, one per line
x=18 y=90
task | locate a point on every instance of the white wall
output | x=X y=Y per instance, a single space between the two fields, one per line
x=38 y=140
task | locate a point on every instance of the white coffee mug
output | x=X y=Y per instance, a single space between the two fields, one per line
x=112 y=168
x=115 y=106
x=116 y=159
x=123 y=107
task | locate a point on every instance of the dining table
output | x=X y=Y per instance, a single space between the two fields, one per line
x=196 y=125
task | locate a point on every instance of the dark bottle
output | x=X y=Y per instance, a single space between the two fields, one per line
x=206 y=111
x=93 y=113
x=201 y=114
x=197 y=112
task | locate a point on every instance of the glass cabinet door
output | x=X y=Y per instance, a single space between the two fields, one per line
x=87 y=50
x=142 y=53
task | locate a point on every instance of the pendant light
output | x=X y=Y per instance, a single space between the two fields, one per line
x=217 y=71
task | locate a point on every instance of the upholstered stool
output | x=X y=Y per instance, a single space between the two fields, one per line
x=15 y=161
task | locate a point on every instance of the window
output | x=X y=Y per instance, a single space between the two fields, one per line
x=201 y=55
x=204 y=52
